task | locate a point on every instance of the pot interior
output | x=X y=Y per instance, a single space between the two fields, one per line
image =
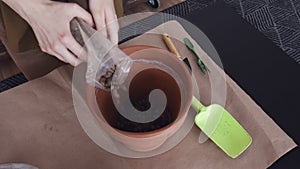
x=140 y=87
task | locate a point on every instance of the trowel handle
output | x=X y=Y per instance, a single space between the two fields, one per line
x=170 y=44
x=75 y=25
x=197 y=105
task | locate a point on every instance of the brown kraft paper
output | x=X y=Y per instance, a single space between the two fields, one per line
x=38 y=125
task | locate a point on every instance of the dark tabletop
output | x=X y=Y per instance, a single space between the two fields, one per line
x=261 y=69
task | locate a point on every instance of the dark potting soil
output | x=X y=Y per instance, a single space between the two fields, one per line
x=105 y=80
x=124 y=124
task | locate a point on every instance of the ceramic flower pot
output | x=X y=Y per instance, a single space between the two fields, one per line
x=178 y=91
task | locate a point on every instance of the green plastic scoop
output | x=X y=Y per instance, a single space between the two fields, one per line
x=221 y=128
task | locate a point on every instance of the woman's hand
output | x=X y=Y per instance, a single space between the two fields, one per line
x=50 y=22
x=105 y=18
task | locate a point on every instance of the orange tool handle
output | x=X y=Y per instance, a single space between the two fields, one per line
x=170 y=44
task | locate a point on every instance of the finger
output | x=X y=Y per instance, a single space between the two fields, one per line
x=112 y=26
x=83 y=14
x=47 y=49
x=100 y=23
x=42 y=41
x=66 y=55
x=69 y=42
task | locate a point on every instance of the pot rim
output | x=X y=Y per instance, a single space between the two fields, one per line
x=154 y=133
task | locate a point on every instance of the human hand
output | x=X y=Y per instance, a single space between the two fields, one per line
x=50 y=22
x=105 y=18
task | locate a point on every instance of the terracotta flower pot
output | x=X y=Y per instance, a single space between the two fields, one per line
x=146 y=136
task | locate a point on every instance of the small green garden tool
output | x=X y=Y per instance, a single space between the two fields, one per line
x=191 y=47
x=218 y=124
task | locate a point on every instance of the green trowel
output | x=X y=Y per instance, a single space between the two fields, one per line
x=218 y=124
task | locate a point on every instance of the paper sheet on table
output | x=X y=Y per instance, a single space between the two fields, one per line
x=38 y=125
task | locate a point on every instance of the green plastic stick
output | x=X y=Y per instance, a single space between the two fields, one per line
x=200 y=63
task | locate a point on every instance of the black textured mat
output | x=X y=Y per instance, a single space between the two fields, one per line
x=258 y=66
x=279 y=20
x=12 y=82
